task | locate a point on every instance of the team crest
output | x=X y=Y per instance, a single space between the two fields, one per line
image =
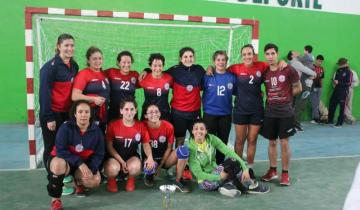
x=162 y=139
x=230 y=86
x=258 y=73
x=166 y=86
x=79 y=148
x=133 y=80
x=282 y=78
x=189 y=88
x=137 y=137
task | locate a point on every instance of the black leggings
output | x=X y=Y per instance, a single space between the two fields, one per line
x=49 y=136
x=219 y=126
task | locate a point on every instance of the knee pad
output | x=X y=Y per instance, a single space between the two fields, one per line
x=55 y=185
x=182 y=152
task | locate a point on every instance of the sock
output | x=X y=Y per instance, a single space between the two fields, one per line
x=285 y=171
x=273 y=168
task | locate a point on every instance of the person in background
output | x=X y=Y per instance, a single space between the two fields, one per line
x=349 y=118
x=342 y=82
x=316 y=91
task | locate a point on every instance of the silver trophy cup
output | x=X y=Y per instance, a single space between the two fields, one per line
x=167 y=195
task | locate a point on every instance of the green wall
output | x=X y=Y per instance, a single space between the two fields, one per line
x=333 y=35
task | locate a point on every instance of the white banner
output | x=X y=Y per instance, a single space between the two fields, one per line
x=336 y=6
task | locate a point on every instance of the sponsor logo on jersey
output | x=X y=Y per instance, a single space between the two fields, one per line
x=133 y=80
x=258 y=73
x=282 y=78
x=242 y=73
x=167 y=86
x=94 y=80
x=137 y=137
x=162 y=139
x=117 y=78
x=230 y=86
x=189 y=88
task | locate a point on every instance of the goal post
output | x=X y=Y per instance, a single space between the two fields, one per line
x=112 y=32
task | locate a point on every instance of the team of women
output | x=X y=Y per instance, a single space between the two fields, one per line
x=102 y=133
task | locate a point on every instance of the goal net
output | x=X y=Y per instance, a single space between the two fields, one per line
x=140 y=36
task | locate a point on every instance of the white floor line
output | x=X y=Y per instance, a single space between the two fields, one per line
x=316 y=158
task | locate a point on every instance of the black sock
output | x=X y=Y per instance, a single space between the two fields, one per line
x=285 y=171
x=273 y=168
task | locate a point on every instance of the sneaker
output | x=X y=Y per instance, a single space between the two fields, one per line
x=270 y=175
x=315 y=121
x=258 y=188
x=56 y=205
x=337 y=125
x=67 y=190
x=187 y=175
x=80 y=191
x=180 y=185
x=251 y=173
x=285 y=179
x=130 y=184
x=229 y=189
x=149 y=180
x=299 y=128
x=68 y=179
x=111 y=185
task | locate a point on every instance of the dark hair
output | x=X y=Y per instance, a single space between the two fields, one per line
x=128 y=100
x=196 y=122
x=308 y=48
x=156 y=56
x=271 y=46
x=220 y=52
x=289 y=55
x=91 y=51
x=248 y=46
x=151 y=104
x=60 y=40
x=124 y=53
x=74 y=106
x=185 y=49
x=320 y=57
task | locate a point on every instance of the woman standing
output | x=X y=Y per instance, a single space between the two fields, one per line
x=78 y=151
x=122 y=139
x=123 y=82
x=157 y=86
x=91 y=84
x=56 y=78
x=217 y=100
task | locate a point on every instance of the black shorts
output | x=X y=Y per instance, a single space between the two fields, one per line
x=183 y=121
x=248 y=119
x=274 y=128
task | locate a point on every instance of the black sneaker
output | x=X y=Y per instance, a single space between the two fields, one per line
x=337 y=125
x=149 y=180
x=258 y=188
x=228 y=189
x=299 y=128
x=251 y=173
x=181 y=185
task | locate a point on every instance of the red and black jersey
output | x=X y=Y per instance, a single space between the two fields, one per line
x=77 y=148
x=187 y=87
x=319 y=70
x=279 y=85
x=156 y=91
x=160 y=138
x=56 y=80
x=248 y=98
x=122 y=86
x=126 y=139
x=93 y=83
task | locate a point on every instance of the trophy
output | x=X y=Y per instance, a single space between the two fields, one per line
x=167 y=192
